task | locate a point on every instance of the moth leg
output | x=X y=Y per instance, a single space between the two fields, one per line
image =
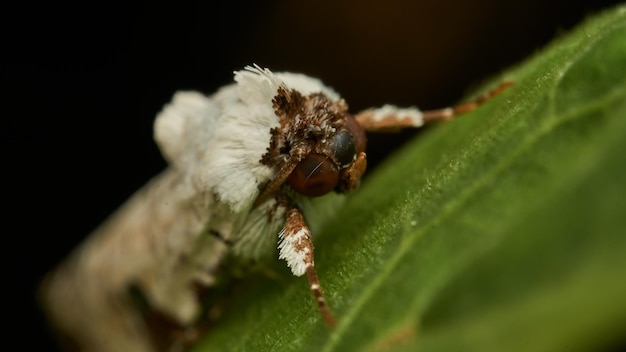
x=448 y=113
x=389 y=117
x=296 y=248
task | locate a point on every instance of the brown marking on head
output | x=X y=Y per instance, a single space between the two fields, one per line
x=318 y=146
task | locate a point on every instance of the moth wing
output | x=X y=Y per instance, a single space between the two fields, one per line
x=185 y=126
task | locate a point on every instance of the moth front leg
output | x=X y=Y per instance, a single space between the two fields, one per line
x=295 y=246
x=389 y=117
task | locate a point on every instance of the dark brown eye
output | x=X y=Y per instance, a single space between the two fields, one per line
x=343 y=148
x=357 y=132
x=314 y=176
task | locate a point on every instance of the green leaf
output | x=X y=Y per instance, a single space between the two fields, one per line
x=503 y=230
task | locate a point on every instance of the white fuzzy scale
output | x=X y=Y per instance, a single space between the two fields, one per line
x=289 y=251
x=386 y=111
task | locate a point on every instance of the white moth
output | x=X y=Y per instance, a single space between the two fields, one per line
x=242 y=162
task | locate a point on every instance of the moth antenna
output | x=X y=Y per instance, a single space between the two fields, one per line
x=296 y=248
x=389 y=117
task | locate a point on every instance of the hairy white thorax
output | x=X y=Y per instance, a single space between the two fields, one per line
x=162 y=240
x=220 y=139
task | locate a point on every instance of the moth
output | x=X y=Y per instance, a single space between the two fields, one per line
x=242 y=164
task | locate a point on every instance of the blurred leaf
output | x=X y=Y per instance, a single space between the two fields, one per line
x=502 y=230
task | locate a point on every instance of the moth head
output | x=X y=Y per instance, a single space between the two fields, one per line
x=318 y=148
x=337 y=165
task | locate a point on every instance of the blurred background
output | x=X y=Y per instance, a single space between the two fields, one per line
x=81 y=84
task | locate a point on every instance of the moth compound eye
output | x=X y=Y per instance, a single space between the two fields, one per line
x=343 y=148
x=357 y=132
x=314 y=176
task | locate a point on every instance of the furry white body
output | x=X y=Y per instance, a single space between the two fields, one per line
x=160 y=241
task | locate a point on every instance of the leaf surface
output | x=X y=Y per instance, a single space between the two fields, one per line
x=502 y=230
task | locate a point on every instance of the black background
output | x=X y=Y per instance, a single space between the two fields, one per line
x=81 y=84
